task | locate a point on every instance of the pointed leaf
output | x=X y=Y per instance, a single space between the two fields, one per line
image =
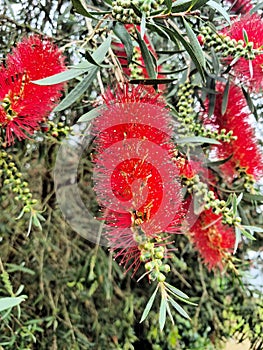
x=149 y=305
x=195 y=43
x=188 y=47
x=176 y=291
x=253 y=228
x=120 y=31
x=147 y=57
x=79 y=69
x=246 y=234
x=95 y=112
x=225 y=98
x=216 y=6
x=245 y=36
x=80 y=7
x=162 y=313
x=9 y=302
x=168 y=4
x=197 y=139
x=219 y=161
x=178 y=308
x=238 y=239
x=77 y=91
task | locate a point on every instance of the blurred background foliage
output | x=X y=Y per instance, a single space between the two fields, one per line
x=76 y=295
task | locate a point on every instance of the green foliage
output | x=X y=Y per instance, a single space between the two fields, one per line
x=58 y=290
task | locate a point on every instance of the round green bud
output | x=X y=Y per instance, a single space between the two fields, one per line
x=161 y=277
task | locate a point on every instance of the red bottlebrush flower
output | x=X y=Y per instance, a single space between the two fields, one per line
x=244 y=150
x=240 y=6
x=253 y=25
x=24 y=104
x=190 y=168
x=212 y=239
x=134 y=175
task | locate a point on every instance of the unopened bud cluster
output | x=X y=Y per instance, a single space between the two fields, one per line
x=13 y=179
x=123 y=10
x=227 y=46
x=188 y=118
x=248 y=180
x=136 y=69
x=208 y=199
x=57 y=130
x=153 y=255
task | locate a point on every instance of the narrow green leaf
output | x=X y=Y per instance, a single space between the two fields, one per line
x=168 y=4
x=136 y=10
x=168 y=309
x=220 y=161
x=178 y=308
x=147 y=57
x=187 y=5
x=216 y=62
x=257 y=7
x=195 y=43
x=176 y=291
x=156 y=28
x=143 y=25
x=100 y=53
x=197 y=4
x=197 y=139
x=188 y=47
x=234 y=204
x=29 y=225
x=246 y=234
x=79 y=69
x=90 y=59
x=78 y=90
x=239 y=198
x=162 y=313
x=248 y=99
x=36 y=222
x=80 y=7
x=13 y=268
x=216 y=6
x=95 y=112
x=152 y=81
x=253 y=197
x=9 y=302
x=212 y=96
x=69 y=74
x=237 y=240
x=181 y=5
x=225 y=98
x=120 y=31
x=198 y=204
x=253 y=228
x=245 y=36
x=149 y=305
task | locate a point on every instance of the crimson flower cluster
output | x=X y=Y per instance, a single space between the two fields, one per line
x=248 y=71
x=240 y=6
x=244 y=152
x=134 y=174
x=24 y=105
x=213 y=240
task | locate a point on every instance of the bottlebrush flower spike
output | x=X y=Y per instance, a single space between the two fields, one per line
x=24 y=104
x=134 y=175
x=253 y=25
x=244 y=150
x=212 y=239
